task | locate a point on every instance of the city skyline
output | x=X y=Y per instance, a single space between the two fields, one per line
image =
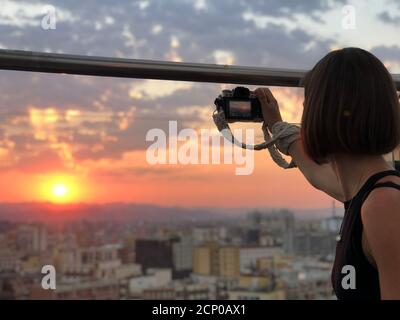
x=259 y=255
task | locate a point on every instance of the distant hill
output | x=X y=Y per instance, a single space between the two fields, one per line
x=113 y=211
x=133 y=212
x=314 y=213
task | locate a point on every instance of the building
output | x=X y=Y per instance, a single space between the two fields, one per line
x=218 y=286
x=13 y=286
x=257 y=295
x=229 y=261
x=256 y=282
x=95 y=261
x=331 y=224
x=315 y=243
x=307 y=279
x=163 y=293
x=154 y=253
x=276 y=227
x=182 y=256
x=203 y=235
x=100 y=289
x=213 y=259
x=248 y=256
x=179 y=291
x=31 y=238
x=205 y=259
x=9 y=260
x=155 y=278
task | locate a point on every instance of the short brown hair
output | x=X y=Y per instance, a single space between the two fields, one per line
x=350 y=106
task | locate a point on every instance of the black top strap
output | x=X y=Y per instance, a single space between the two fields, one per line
x=387 y=184
x=378 y=176
x=349 y=250
x=369 y=185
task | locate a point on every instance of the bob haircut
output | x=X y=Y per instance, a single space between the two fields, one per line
x=350 y=106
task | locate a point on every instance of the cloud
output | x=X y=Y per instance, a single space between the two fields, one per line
x=387 y=52
x=389 y=18
x=24 y=14
x=81 y=119
x=391 y=14
x=153 y=89
x=389 y=55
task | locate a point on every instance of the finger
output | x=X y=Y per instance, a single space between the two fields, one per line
x=266 y=95
x=262 y=97
x=269 y=95
x=258 y=92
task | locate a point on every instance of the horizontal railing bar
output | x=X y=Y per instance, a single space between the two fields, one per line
x=149 y=69
x=146 y=69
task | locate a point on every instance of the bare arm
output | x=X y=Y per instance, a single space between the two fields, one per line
x=321 y=177
x=381 y=220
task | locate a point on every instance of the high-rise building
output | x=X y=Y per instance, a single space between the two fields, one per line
x=205 y=259
x=182 y=255
x=278 y=225
x=173 y=252
x=229 y=261
x=154 y=253
x=212 y=259
x=32 y=238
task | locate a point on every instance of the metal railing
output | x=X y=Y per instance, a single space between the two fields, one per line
x=149 y=69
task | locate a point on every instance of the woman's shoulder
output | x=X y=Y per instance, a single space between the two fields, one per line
x=382 y=206
x=385 y=189
x=384 y=195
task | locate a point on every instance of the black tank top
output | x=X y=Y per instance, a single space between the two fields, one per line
x=349 y=246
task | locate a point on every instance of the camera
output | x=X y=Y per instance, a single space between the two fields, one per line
x=239 y=105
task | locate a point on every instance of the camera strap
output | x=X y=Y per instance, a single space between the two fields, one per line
x=269 y=143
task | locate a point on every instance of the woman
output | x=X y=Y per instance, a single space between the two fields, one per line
x=351 y=118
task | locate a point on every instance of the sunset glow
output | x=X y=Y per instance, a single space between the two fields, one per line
x=70 y=139
x=59 y=189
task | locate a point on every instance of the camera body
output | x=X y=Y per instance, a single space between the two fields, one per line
x=239 y=105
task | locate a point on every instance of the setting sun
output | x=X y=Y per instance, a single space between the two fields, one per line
x=60 y=190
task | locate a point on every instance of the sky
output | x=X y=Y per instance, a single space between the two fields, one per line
x=66 y=138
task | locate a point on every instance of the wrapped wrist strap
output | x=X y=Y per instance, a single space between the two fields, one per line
x=284 y=134
x=288 y=133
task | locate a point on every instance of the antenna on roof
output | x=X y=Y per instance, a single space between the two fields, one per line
x=333 y=208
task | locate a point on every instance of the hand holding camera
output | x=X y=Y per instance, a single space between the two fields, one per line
x=243 y=105
x=239 y=105
x=269 y=106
